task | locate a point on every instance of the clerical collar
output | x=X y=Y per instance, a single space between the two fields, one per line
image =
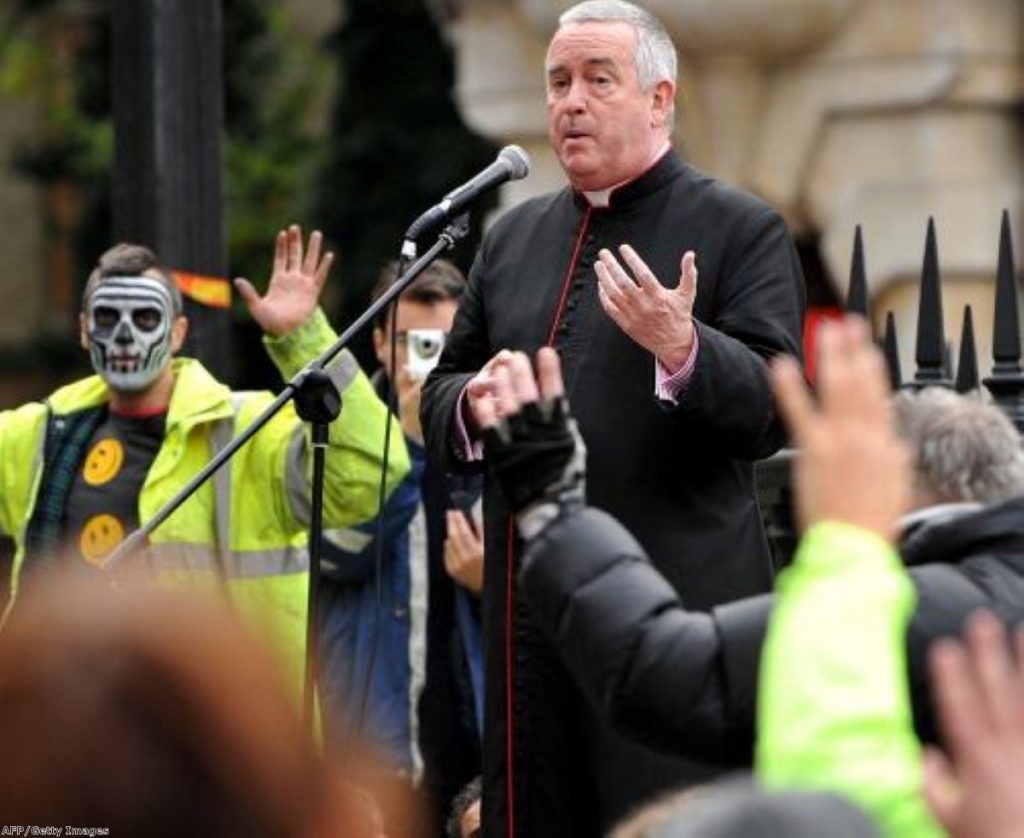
x=602 y=198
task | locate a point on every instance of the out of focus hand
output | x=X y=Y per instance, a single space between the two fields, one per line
x=977 y=790
x=850 y=465
x=531 y=443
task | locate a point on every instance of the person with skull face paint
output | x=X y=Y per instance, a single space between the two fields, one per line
x=129 y=325
x=82 y=469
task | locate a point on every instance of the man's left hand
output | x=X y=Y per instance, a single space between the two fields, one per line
x=295 y=284
x=660 y=319
x=531 y=443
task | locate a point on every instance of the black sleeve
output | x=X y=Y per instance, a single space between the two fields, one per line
x=757 y=313
x=653 y=669
x=466 y=351
x=742 y=626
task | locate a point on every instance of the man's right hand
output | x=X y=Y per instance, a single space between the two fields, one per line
x=296 y=281
x=531 y=443
x=410 y=391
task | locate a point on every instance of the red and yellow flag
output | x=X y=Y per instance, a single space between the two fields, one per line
x=213 y=291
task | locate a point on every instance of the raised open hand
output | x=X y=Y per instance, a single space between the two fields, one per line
x=851 y=466
x=660 y=319
x=295 y=284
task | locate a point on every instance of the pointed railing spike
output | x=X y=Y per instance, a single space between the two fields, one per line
x=857 y=293
x=891 y=350
x=967 y=378
x=1006 y=328
x=1006 y=384
x=931 y=340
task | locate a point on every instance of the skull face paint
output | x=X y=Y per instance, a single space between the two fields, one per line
x=129 y=327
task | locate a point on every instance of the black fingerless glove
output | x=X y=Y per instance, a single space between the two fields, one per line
x=539 y=459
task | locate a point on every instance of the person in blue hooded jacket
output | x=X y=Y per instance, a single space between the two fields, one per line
x=401 y=659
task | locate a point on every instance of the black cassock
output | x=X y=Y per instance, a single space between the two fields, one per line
x=677 y=476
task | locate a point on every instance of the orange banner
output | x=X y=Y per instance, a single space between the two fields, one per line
x=213 y=291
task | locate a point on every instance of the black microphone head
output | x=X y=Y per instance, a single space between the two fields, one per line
x=518 y=161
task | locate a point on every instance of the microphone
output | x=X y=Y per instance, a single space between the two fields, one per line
x=512 y=164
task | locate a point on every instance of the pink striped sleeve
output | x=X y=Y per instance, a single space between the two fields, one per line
x=668 y=386
x=468 y=449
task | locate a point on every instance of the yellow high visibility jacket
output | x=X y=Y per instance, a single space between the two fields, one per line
x=248 y=521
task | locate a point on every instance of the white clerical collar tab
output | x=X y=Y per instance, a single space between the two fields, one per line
x=600 y=198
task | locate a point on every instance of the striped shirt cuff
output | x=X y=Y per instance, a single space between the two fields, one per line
x=467 y=449
x=668 y=386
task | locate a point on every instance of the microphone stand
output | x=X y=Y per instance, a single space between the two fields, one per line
x=316 y=401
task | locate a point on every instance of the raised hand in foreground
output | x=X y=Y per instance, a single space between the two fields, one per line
x=851 y=465
x=976 y=788
x=531 y=443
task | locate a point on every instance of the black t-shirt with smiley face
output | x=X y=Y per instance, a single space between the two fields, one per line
x=103 y=506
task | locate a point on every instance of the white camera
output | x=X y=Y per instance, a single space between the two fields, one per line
x=423 y=351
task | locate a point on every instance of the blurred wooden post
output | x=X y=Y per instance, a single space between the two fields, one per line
x=168 y=107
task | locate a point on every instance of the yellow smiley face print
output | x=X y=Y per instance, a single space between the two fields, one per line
x=100 y=535
x=103 y=462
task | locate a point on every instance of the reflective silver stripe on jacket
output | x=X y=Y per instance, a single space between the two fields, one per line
x=341 y=371
x=296 y=481
x=221 y=434
x=235 y=564
x=348 y=539
x=220 y=558
x=418 y=598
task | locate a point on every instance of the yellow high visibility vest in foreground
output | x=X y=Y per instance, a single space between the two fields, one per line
x=249 y=521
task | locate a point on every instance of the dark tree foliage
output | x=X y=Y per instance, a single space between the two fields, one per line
x=269 y=85
x=63 y=63
x=271 y=79
x=270 y=154
x=397 y=141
